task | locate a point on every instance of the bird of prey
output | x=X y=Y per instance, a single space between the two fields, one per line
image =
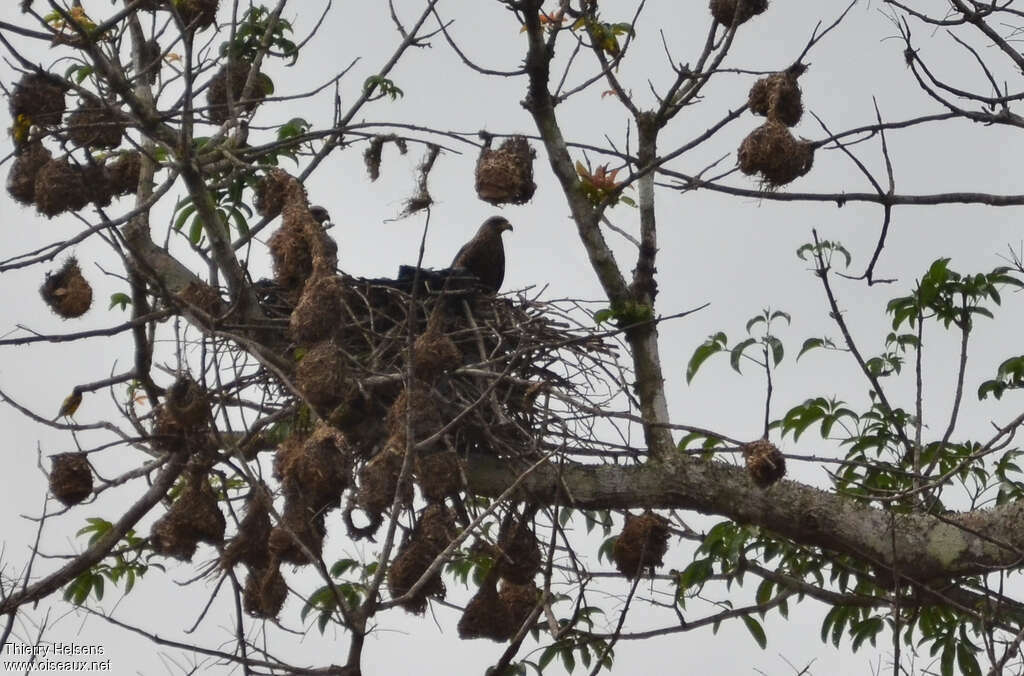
x=321 y=216
x=484 y=255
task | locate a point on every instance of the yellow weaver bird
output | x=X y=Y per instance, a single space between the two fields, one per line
x=70 y=405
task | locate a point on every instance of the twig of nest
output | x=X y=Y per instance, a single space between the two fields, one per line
x=265 y=592
x=60 y=187
x=21 y=180
x=70 y=478
x=739 y=11
x=771 y=151
x=641 y=545
x=232 y=78
x=39 y=99
x=66 y=291
x=92 y=127
x=765 y=462
x=778 y=98
x=505 y=175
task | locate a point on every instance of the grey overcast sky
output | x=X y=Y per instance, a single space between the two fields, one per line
x=737 y=254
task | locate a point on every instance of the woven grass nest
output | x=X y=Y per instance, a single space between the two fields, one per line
x=505 y=175
x=71 y=478
x=726 y=12
x=231 y=78
x=773 y=152
x=66 y=291
x=765 y=462
x=641 y=545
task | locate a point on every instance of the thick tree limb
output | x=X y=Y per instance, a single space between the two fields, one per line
x=923 y=547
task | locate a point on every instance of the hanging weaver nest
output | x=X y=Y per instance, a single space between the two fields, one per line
x=149 y=58
x=414 y=412
x=232 y=77
x=505 y=175
x=778 y=98
x=60 y=187
x=198 y=14
x=372 y=154
x=765 y=462
x=21 y=181
x=66 y=291
x=487 y=616
x=70 y=478
x=123 y=173
x=265 y=592
x=202 y=296
x=297 y=521
x=378 y=481
x=434 y=353
x=292 y=261
x=187 y=403
x=770 y=150
x=518 y=556
x=641 y=545
x=91 y=126
x=171 y=436
x=270 y=194
x=301 y=246
x=315 y=317
x=95 y=176
x=39 y=99
x=521 y=599
x=193 y=518
x=439 y=475
x=314 y=471
x=249 y=545
x=320 y=375
x=434 y=530
x=727 y=11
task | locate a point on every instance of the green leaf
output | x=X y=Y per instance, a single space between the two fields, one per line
x=195 y=233
x=737 y=353
x=754 y=321
x=776 y=346
x=601 y=316
x=810 y=344
x=966 y=660
x=756 y=630
x=713 y=344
